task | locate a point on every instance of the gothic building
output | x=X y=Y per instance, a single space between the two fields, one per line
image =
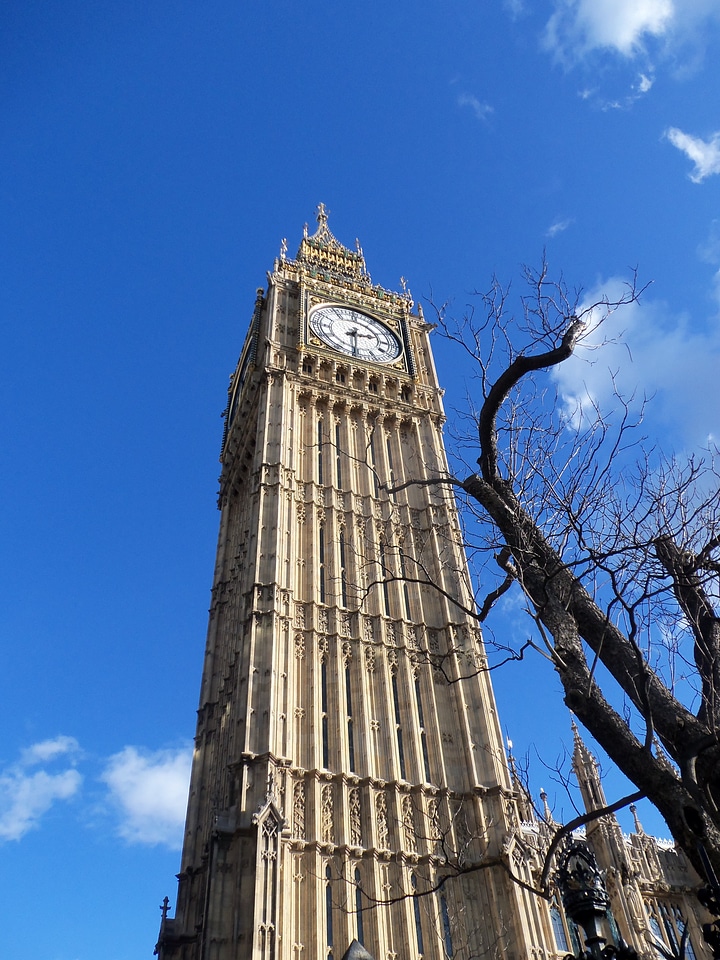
x=349 y=780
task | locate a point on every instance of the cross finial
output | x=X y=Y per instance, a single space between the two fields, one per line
x=321 y=213
x=164 y=907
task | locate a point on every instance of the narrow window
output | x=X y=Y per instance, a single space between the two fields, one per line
x=328 y=911
x=418 y=919
x=343 y=575
x=446 y=926
x=398 y=726
x=324 y=709
x=358 y=908
x=320 y=451
x=406 y=595
x=351 y=740
x=559 y=930
x=373 y=464
x=338 y=455
x=383 y=574
x=321 y=571
x=391 y=467
x=423 y=735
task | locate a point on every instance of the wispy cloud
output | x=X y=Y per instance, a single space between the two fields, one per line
x=481 y=109
x=516 y=8
x=27 y=793
x=705 y=154
x=661 y=29
x=558 y=227
x=649 y=351
x=578 y=26
x=709 y=251
x=150 y=792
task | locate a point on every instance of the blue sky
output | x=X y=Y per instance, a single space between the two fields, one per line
x=153 y=157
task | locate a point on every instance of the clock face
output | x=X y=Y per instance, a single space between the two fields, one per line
x=354 y=333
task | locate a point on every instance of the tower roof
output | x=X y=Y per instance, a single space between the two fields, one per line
x=356 y=951
x=324 y=252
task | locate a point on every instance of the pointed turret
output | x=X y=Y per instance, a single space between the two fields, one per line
x=587 y=772
x=324 y=253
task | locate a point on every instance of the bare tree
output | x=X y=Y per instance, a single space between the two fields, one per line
x=616 y=548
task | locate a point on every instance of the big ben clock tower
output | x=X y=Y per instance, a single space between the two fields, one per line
x=348 y=755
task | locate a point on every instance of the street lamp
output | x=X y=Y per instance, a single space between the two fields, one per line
x=586 y=903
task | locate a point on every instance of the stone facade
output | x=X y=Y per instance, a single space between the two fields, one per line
x=348 y=754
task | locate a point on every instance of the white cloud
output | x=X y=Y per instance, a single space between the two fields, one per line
x=705 y=154
x=150 y=790
x=26 y=795
x=651 y=353
x=49 y=750
x=481 y=110
x=644 y=83
x=558 y=227
x=578 y=26
x=671 y=30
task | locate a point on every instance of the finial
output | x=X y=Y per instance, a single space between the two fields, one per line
x=321 y=213
x=165 y=907
x=547 y=812
x=305 y=231
x=636 y=818
x=283 y=248
x=420 y=311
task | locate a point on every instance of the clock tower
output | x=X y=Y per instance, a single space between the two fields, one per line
x=349 y=781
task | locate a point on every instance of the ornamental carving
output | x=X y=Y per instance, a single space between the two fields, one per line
x=299 y=810
x=408 y=821
x=347 y=653
x=381 y=818
x=327 y=814
x=300 y=616
x=299 y=645
x=355 y=819
x=370 y=659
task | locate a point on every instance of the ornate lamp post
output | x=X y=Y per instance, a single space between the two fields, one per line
x=586 y=903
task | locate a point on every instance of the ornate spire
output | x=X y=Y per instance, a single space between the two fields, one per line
x=324 y=253
x=636 y=818
x=587 y=772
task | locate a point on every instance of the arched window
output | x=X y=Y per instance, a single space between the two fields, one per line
x=358 y=907
x=328 y=911
x=418 y=918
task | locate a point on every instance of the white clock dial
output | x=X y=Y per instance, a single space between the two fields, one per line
x=354 y=333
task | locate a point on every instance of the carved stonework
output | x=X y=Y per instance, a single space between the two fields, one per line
x=299 y=645
x=327 y=814
x=370 y=659
x=347 y=654
x=369 y=630
x=408 y=820
x=299 y=810
x=355 y=820
x=381 y=819
x=300 y=616
x=322 y=621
